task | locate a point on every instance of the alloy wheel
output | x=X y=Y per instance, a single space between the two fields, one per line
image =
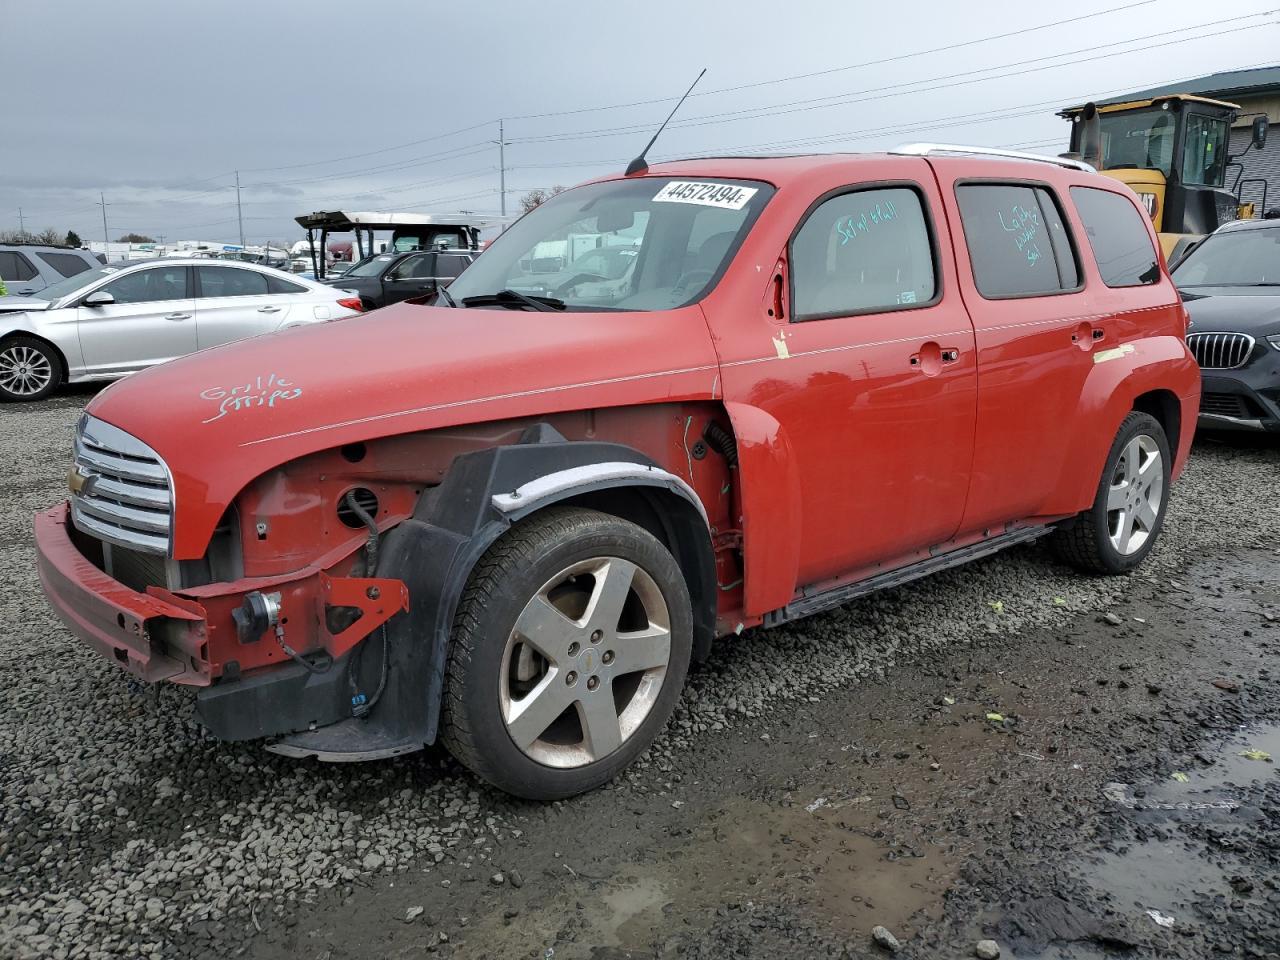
x=1136 y=495
x=585 y=662
x=24 y=371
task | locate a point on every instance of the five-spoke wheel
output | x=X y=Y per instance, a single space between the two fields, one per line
x=1128 y=509
x=569 y=650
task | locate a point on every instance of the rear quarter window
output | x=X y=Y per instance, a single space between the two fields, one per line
x=67 y=264
x=1017 y=241
x=278 y=285
x=1118 y=237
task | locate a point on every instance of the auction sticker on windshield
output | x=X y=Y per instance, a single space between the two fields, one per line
x=724 y=195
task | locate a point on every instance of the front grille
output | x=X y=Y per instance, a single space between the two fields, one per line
x=1224 y=405
x=1220 y=351
x=124 y=494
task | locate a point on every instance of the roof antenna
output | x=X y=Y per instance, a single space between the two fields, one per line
x=640 y=164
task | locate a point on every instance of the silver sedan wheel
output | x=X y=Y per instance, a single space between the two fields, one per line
x=24 y=371
x=1136 y=495
x=585 y=662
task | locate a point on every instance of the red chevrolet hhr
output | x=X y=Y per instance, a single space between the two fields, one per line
x=660 y=408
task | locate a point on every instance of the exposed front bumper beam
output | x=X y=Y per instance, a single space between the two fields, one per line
x=151 y=637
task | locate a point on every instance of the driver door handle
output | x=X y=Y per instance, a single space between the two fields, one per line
x=177 y=316
x=268 y=309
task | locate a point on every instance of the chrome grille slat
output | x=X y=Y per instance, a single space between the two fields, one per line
x=1220 y=351
x=126 y=498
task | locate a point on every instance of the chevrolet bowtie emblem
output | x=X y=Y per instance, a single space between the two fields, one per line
x=77 y=481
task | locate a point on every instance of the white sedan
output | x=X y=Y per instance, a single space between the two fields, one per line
x=113 y=321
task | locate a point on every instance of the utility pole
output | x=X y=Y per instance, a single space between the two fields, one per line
x=502 y=168
x=102 y=202
x=239 y=215
x=22 y=227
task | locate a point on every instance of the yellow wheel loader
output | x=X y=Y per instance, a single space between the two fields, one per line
x=1173 y=152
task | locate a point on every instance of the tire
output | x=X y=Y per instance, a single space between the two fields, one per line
x=1096 y=541
x=30 y=369
x=541 y=639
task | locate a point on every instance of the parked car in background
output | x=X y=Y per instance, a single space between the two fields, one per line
x=387 y=278
x=29 y=268
x=110 y=321
x=1230 y=286
x=510 y=525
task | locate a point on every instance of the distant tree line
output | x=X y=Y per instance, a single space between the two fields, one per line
x=49 y=237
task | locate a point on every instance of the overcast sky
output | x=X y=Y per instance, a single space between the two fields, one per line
x=345 y=104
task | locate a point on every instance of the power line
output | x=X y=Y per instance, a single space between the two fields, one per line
x=800 y=106
x=831 y=70
x=370 y=153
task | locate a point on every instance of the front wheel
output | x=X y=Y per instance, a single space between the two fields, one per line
x=569 y=651
x=29 y=369
x=1119 y=530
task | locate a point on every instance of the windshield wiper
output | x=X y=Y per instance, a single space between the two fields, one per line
x=447 y=297
x=510 y=297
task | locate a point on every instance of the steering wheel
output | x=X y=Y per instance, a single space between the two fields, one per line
x=687 y=280
x=578 y=278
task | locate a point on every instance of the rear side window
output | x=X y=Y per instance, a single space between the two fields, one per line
x=14 y=266
x=451 y=265
x=1118 y=237
x=1018 y=244
x=861 y=252
x=278 y=285
x=67 y=264
x=231 y=282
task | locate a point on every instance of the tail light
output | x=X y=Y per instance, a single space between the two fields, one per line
x=352 y=303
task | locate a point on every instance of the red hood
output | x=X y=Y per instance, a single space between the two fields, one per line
x=222 y=417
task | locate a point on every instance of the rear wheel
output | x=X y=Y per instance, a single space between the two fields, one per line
x=1119 y=530
x=569 y=651
x=29 y=369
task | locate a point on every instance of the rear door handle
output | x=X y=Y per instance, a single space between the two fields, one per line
x=177 y=316
x=268 y=309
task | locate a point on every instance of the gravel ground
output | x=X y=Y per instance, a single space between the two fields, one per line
x=127 y=833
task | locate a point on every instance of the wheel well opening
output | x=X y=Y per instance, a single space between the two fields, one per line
x=53 y=348
x=680 y=528
x=1164 y=406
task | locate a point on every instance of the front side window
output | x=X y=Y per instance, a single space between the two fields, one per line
x=230 y=282
x=150 y=286
x=862 y=252
x=67 y=264
x=1018 y=245
x=1204 y=152
x=1240 y=258
x=370 y=266
x=14 y=266
x=681 y=233
x=413 y=268
x=1118 y=236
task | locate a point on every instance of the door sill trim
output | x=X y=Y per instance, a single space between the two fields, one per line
x=836 y=596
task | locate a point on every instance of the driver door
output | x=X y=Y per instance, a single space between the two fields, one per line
x=412 y=277
x=152 y=320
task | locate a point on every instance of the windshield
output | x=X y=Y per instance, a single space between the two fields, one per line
x=370 y=266
x=56 y=291
x=1137 y=138
x=649 y=243
x=1241 y=258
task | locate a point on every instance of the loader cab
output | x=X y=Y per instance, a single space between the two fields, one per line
x=1173 y=152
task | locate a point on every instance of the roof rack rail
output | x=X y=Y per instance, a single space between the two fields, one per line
x=928 y=149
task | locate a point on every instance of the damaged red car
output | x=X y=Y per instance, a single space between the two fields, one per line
x=508 y=521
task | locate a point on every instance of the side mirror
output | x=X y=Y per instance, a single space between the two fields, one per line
x=99 y=298
x=1260 y=124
